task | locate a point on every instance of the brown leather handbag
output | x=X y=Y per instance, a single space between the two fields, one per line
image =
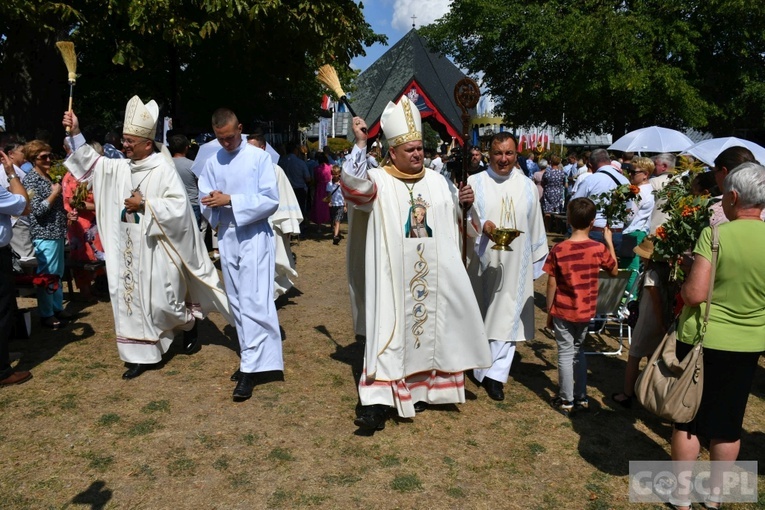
x=669 y=388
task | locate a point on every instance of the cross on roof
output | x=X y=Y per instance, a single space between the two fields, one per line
x=413 y=18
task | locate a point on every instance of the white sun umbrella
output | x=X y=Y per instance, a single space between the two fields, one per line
x=208 y=150
x=708 y=150
x=652 y=139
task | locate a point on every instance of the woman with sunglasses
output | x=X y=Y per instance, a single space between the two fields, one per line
x=48 y=229
x=642 y=169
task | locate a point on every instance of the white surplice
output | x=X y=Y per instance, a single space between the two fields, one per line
x=422 y=324
x=246 y=244
x=285 y=222
x=155 y=260
x=503 y=281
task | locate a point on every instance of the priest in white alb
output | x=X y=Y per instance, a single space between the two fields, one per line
x=238 y=192
x=503 y=280
x=160 y=276
x=422 y=324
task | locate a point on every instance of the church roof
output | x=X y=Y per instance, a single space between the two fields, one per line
x=409 y=65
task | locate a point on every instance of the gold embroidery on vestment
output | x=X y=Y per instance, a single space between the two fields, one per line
x=418 y=287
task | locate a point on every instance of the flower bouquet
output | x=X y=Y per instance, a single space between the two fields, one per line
x=687 y=215
x=614 y=203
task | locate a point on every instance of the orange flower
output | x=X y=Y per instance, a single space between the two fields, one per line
x=661 y=233
x=634 y=189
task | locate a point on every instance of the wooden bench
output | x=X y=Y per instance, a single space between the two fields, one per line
x=85 y=265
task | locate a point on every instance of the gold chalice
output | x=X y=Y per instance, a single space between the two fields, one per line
x=502 y=238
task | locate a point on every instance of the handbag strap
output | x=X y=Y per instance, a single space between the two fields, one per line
x=606 y=172
x=715 y=250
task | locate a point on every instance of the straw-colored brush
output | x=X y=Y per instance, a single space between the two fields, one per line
x=70 y=60
x=328 y=77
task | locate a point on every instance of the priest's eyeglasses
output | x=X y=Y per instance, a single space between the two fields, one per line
x=129 y=143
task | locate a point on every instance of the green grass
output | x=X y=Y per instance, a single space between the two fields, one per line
x=99 y=462
x=250 y=439
x=155 y=406
x=455 y=492
x=278 y=498
x=182 y=466
x=108 y=419
x=537 y=449
x=221 y=463
x=143 y=427
x=406 y=483
x=68 y=402
x=282 y=454
x=390 y=460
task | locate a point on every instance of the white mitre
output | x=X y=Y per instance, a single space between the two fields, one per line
x=140 y=118
x=401 y=122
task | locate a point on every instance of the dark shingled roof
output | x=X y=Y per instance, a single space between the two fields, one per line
x=408 y=61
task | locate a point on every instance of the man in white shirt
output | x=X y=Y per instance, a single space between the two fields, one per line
x=437 y=163
x=603 y=179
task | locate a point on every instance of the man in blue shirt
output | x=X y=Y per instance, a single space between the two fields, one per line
x=13 y=202
x=297 y=172
x=604 y=179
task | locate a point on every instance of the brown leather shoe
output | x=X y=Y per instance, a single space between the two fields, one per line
x=19 y=377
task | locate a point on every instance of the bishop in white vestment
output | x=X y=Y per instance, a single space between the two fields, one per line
x=503 y=280
x=238 y=193
x=156 y=262
x=423 y=326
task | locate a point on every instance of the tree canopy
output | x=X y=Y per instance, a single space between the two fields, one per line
x=257 y=57
x=613 y=66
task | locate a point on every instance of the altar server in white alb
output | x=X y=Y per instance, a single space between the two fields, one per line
x=238 y=192
x=503 y=280
x=423 y=326
x=156 y=262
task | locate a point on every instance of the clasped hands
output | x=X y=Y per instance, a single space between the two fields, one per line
x=216 y=198
x=133 y=203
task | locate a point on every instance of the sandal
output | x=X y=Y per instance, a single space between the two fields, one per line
x=624 y=400
x=711 y=504
x=52 y=322
x=677 y=504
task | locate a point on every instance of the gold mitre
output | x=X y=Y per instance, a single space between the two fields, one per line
x=140 y=118
x=401 y=122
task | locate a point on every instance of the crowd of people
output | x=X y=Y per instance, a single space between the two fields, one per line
x=133 y=204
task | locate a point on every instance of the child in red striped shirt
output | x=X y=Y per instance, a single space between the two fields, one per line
x=572 y=293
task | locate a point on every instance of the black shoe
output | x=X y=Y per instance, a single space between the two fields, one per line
x=64 y=315
x=372 y=417
x=190 y=339
x=420 y=407
x=53 y=322
x=336 y=240
x=493 y=389
x=244 y=387
x=236 y=375
x=625 y=401
x=134 y=371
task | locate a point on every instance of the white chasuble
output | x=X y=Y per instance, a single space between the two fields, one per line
x=155 y=261
x=285 y=222
x=420 y=314
x=503 y=281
